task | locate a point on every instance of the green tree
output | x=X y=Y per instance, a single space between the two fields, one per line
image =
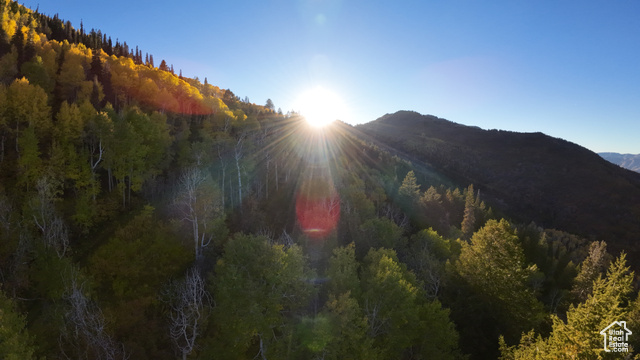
x=15 y=342
x=591 y=269
x=37 y=74
x=70 y=123
x=378 y=233
x=343 y=272
x=500 y=300
x=426 y=255
x=259 y=289
x=579 y=336
x=29 y=162
x=409 y=190
x=400 y=321
x=469 y=219
x=130 y=271
x=199 y=205
x=348 y=327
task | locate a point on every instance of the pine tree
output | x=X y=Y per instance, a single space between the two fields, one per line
x=469 y=220
x=163 y=66
x=591 y=268
x=578 y=337
x=410 y=190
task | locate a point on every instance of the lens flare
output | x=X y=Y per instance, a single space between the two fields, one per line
x=317 y=207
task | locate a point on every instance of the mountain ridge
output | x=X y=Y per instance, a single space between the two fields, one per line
x=556 y=183
x=627 y=161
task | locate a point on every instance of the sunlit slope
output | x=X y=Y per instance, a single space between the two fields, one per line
x=530 y=176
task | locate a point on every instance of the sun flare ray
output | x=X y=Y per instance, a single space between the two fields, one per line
x=320 y=106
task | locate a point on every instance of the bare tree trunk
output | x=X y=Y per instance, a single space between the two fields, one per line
x=238 y=154
x=239 y=182
x=224 y=170
x=266 y=186
x=94 y=165
x=85 y=325
x=231 y=196
x=55 y=233
x=196 y=207
x=189 y=305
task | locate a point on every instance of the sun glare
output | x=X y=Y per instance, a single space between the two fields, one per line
x=320 y=107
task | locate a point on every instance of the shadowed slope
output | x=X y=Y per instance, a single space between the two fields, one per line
x=530 y=176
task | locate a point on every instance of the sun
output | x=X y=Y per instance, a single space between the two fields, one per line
x=320 y=106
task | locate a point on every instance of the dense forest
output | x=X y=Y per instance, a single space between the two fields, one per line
x=145 y=215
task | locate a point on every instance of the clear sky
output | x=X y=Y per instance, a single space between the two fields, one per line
x=570 y=69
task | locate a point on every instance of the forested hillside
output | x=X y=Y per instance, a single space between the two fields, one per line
x=530 y=176
x=145 y=215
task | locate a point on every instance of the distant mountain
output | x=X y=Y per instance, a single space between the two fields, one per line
x=627 y=161
x=530 y=176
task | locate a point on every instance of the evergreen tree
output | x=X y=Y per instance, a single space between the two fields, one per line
x=269 y=105
x=469 y=219
x=590 y=270
x=579 y=336
x=409 y=190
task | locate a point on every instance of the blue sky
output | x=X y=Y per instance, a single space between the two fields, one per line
x=570 y=69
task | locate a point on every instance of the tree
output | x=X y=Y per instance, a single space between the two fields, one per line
x=409 y=190
x=85 y=326
x=426 y=255
x=590 y=270
x=189 y=307
x=54 y=231
x=37 y=74
x=469 y=219
x=343 y=272
x=29 y=162
x=378 y=233
x=400 y=322
x=500 y=300
x=260 y=290
x=199 y=205
x=578 y=337
x=27 y=107
x=238 y=154
x=97 y=132
x=348 y=329
x=72 y=76
x=130 y=270
x=269 y=105
x=15 y=342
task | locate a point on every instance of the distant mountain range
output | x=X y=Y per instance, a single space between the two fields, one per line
x=627 y=161
x=530 y=176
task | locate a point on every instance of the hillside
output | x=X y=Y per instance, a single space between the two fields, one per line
x=135 y=198
x=627 y=161
x=530 y=176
